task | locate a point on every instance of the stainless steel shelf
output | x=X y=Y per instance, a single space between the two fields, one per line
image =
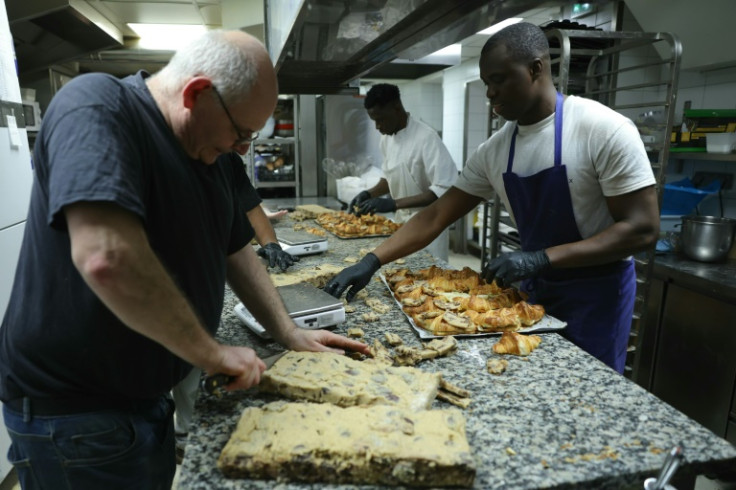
x=280 y=183
x=720 y=157
x=274 y=141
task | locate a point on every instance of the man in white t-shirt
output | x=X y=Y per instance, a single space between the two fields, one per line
x=576 y=179
x=417 y=168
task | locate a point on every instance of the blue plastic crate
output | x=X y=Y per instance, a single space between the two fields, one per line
x=682 y=197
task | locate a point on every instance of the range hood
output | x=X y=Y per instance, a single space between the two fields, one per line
x=326 y=46
x=47 y=32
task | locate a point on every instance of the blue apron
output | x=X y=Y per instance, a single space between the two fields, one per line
x=597 y=302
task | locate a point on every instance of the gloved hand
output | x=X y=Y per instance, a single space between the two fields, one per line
x=377 y=205
x=356 y=276
x=272 y=251
x=515 y=266
x=357 y=200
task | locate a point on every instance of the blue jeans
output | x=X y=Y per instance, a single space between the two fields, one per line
x=111 y=449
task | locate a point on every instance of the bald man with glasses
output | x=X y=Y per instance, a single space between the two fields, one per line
x=133 y=230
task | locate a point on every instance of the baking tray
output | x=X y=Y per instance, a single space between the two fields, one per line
x=351 y=237
x=546 y=324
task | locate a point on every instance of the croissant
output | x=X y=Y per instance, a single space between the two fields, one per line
x=529 y=314
x=449 y=323
x=421 y=304
x=480 y=304
x=500 y=319
x=516 y=344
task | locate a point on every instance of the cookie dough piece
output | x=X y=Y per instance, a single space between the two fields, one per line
x=327 y=377
x=381 y=445
x=497 y=366
x=393 y=339
x=371 y=316
x=377 y=305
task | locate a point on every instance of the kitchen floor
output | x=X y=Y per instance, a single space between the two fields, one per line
x=458 y=261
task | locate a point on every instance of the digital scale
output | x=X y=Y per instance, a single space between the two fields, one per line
x=301 y=242
x=309 y=307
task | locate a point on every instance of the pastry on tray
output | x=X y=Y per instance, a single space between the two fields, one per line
x=453 y=302
x=346 y=225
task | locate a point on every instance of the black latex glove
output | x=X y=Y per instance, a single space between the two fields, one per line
x=515 y=266
x=357 y=200
x=272 y=251
x=377 y=205
x=357 y=276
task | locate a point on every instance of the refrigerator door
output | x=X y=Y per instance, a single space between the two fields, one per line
x=15 y=184
x=16 y=177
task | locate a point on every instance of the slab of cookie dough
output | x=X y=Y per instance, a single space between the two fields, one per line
x=383 y=445
x=327 y=377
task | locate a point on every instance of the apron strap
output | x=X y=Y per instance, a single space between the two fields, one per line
x=558 y=136
x=558 y=129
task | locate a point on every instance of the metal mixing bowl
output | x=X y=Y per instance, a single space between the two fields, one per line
x=707 y=238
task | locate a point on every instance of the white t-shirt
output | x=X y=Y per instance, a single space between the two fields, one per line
x=601 y=150
x=423 y=159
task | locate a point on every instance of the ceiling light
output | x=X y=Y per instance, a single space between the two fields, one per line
x=166 y=36
x=451 y=50
x=497 y=27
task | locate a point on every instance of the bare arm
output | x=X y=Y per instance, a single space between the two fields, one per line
x=416 y=201
x=636 y=228
x=379 y=189
x=426 y=225
x=262 y=226
x=111 y=251
x=250 y=282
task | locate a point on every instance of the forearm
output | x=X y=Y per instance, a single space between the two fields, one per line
x=417 y=201
x=379 y=189
x=635 y=228
x=620 y=240
x=114 y=258
x=249 y=280
x=262 y=226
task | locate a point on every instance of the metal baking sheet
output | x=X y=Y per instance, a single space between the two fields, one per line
x=351 y=237
x=294 y=237
x=546 y=324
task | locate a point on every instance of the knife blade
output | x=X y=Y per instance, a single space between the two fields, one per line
x=215 y=384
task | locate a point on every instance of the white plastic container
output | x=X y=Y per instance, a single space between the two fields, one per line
x=348 y=188
x=720 y=142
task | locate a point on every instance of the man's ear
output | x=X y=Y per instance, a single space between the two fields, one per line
x=536 y=68
x=193 y=89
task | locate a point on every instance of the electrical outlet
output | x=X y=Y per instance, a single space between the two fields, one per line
x=701 y=179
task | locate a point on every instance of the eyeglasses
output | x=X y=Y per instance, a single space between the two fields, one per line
x=242 y=139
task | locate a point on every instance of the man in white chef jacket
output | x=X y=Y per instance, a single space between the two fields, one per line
x=417 y=167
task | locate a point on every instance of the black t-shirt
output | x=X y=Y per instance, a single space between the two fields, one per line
x=105 y=140
x=249 y=197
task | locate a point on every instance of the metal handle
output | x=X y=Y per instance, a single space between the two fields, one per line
x=668 y=470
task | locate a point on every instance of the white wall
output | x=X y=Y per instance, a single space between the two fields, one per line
x=453 y=103
x=424 y=102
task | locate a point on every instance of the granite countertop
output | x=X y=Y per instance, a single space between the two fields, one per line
x=556 y=419
x=716 y=279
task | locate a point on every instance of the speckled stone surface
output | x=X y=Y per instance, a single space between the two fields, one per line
x=557 y=419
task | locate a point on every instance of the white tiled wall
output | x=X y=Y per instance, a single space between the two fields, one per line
x=453 y=102
x=424 y=102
